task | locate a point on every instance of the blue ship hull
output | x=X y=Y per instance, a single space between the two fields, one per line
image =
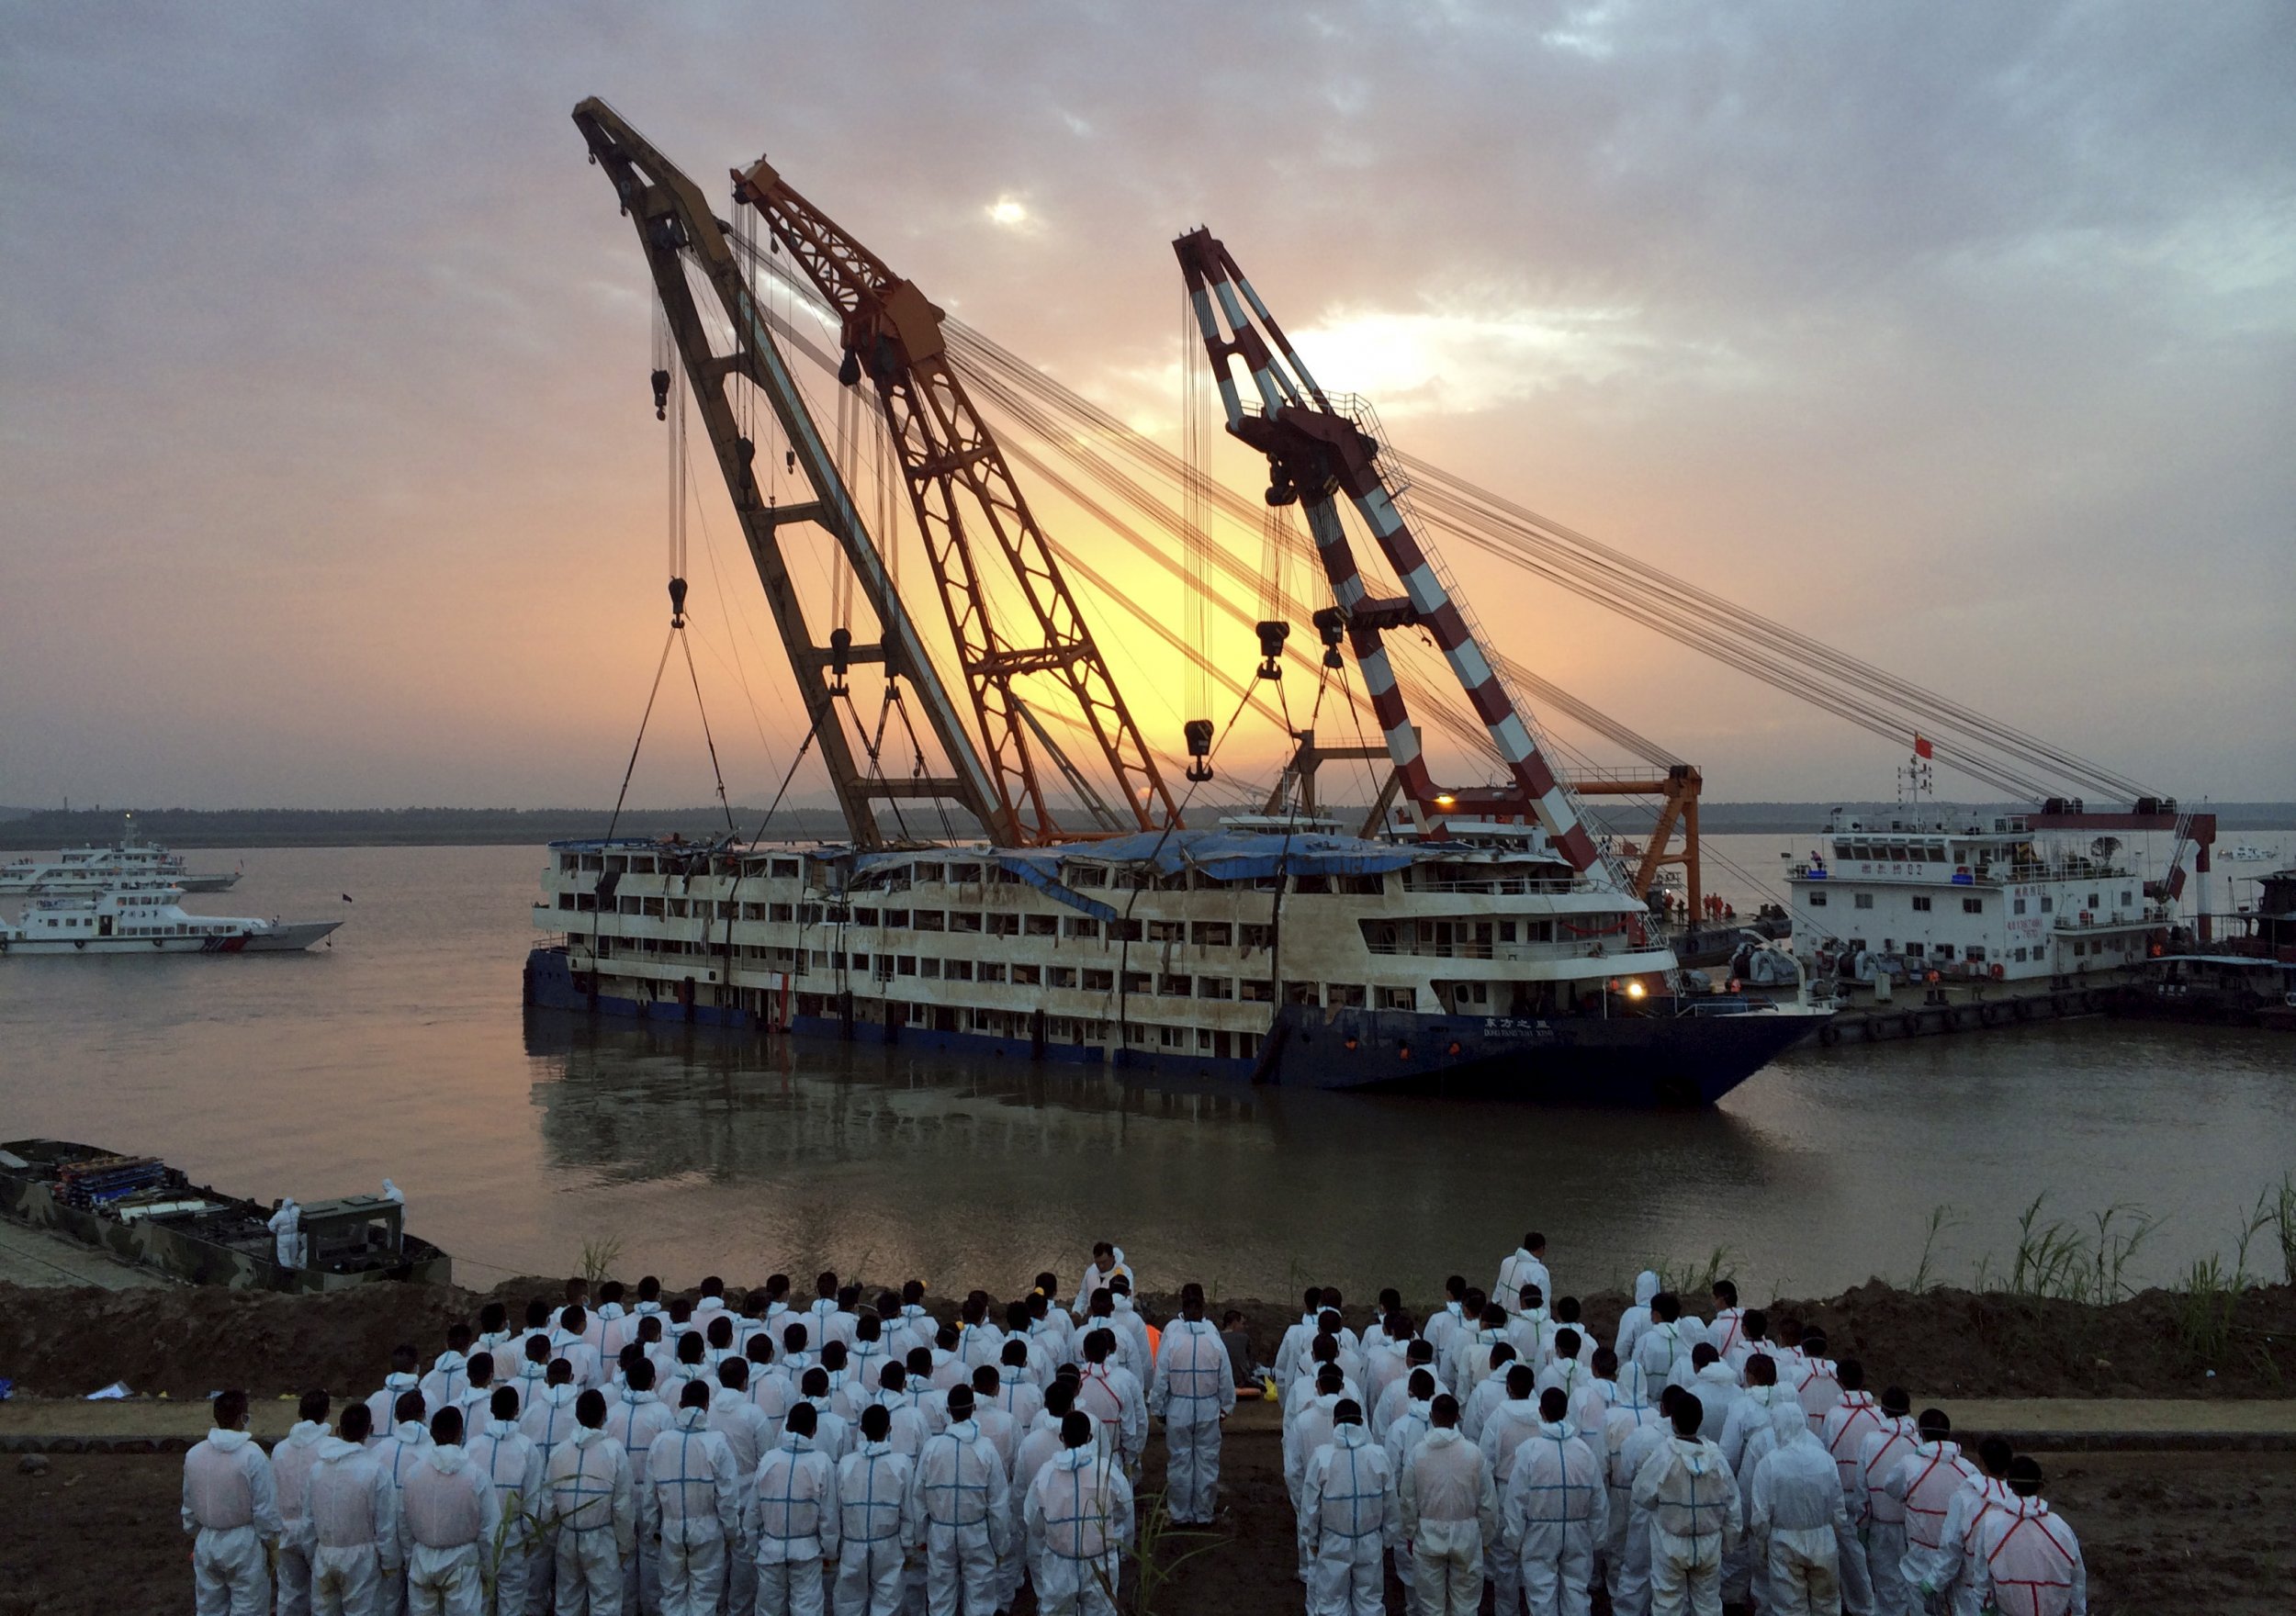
x=1656 y=1058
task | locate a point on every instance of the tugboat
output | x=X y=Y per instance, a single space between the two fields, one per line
x=142 y=1211
x=96 y=870
x=147 y=918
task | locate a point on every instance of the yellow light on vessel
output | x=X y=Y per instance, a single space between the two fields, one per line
x=1634 y=990
x=1445 y=800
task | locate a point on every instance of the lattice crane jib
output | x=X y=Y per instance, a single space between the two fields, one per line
x=962 y=489
x=676 y=226
x=1315 y=453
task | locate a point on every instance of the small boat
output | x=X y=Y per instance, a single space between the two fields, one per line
x=140 y=1209
x=96 y=870
x=147 y=918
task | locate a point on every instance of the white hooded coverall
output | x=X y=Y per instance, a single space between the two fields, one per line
x=354 y=1528
x=793 y=1526
x=514 y=1463
x=1194 y=1391
x=291 y=1464
x=1557 y=1510
x=1510 y=1424
x=1879 y=1518
x=586 y=1481
x=1692 y=1499
x=1923 y=1486
x=447 y=1518
x=1637 y=1319
x=961 y=1510
x=231 y=1511
x=1799 y=1519
x=1632 y=1433
x=1078 y=1516
x=2030 y=1562
x=1450 y=1511
x=286 y=1230
x=689 y=1501
x=1352 y=1514
x=873 y=1540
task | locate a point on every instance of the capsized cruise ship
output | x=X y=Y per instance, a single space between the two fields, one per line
x=1466 y=938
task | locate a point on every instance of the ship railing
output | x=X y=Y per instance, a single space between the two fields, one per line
x=1508 y=886
x=1503 y=952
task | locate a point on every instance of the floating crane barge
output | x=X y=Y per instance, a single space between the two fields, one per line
x=1460 y=937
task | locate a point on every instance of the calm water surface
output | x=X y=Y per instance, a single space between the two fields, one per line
x=403 y=1050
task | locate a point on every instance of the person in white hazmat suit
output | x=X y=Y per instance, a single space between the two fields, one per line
x=397 y=1451
x=875 y=1532
x=1878 y=1517
x=1555 y=1510
x=1353 y=1514
x=690 y=1502
x=1524 y=1265
x=792 y=1521
x=1923 y=1486
x=231 y=1510
x=593 y=1511
x=1632 y=1431
x=1798 y=1519
x=513 y=1463
x=961 y=1511
x=1664 y=1349
x=747 y=1433
x=1450 y=1512
x=285 y=1225
x=2030 y=1562
x=354 y=1521
x=1078 y=1517
x=1510 y=1423
x=1637 y=1319
x=1693 y=1502
x=291 y=1464
x=1950 y=1573
x=1193 y=1392
x=448 y=1515
x=1410 y=1426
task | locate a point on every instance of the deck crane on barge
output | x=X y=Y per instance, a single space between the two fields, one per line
x=1506 y=957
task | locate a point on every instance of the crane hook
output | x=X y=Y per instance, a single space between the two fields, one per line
x=661 y=395
x=1199 y=733
x=1271 y=637
x=677 y=603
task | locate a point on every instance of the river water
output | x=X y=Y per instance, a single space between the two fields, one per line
x=402 y=1050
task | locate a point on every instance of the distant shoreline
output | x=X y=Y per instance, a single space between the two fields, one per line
x=38 y=830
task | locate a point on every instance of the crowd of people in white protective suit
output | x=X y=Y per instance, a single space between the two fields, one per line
x=687 y=1456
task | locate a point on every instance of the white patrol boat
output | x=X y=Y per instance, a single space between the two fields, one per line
x=96 y=870
x=147 y=918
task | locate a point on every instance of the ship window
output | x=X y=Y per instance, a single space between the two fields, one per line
x=1346 y=993
x=566 y=900
x=1865 y=900
x=2093 y=904
x=808 y=914
x=957 y=970
x=1913 y=950
x=1099 y=981
x=1945 y=950
x=1135 y=981
x=1256 y=990
x=1214 y=987
x=2126 y=899
x=2016 y=905
x=568 y=864
x=1175 y=987
x=1083 y=925
x=864 y=917
x=2020 y=956
x=1043 y=925
x=928 y=920
x=1973 y=905
x=782 y=912
x=1300 y=992
x=1025 y=976
x=905 y=965
x=861 y=962
x=1506 y=931
x=1173 y=1037
x=966 y=920
x=2047 y=904
x=928 y=968
x=1922 y=904
x=1059 y=976
x=964 y=872
x=897 y=917
x=1398 y=998
x=1817 y=900
x=1312 y=884
x=1002 y=926
x=1087 y=875
x=1975 y=956
x=1258 y=937
x=1167 y=931
x=925 y=872
x=1124 y=931
x=990 y=971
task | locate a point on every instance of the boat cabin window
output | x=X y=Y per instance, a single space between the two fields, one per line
x=1087 y=875
x=784 y=870
x=925 y=872
x=964 y=872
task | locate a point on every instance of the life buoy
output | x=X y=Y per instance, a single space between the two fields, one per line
x=1997 y=972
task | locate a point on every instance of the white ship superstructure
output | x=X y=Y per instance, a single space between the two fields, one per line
x=1916 y=891
x=96 y=870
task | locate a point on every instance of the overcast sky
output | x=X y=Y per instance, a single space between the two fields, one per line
x=1961 y=336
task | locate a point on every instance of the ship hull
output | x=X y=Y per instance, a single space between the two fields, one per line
x=1653 y=1060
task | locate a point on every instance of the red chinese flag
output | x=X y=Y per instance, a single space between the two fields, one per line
x=1921 y=747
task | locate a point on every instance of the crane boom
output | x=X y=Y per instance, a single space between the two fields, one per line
x=1315 y=451
x=675 y=224
x=960 y=487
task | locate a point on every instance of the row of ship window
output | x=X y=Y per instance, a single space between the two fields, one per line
x=891 y=967
x=1208 y=934
x=1087 y=876
x=1920 y=903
